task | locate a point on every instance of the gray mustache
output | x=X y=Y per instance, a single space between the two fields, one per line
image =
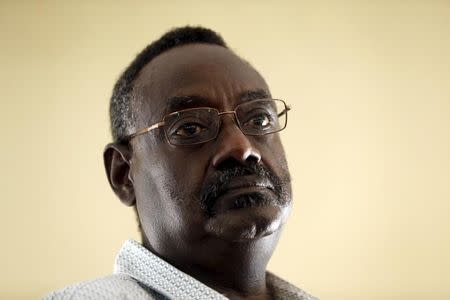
x=214 y=187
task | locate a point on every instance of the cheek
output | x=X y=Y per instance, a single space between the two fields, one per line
x=273 y=156
x=168 y=182
x=184 y=169
x=167 y=201
x=272 y=152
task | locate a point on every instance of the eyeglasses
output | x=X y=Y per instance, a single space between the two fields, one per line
x=199 y=125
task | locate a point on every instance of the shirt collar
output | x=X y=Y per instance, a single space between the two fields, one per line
x=139 y=263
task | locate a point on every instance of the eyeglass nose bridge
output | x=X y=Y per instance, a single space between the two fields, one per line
x=227 y=112
x=230 y=112
x=233 y=112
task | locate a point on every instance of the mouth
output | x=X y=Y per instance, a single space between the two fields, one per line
x=243 y=193
x=246 y=208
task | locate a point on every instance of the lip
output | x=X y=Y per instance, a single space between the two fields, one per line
x=241 y=186
x=244 y=182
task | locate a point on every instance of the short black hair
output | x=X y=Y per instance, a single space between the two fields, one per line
x=122 y=116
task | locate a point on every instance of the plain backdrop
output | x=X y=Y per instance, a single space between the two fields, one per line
x=368 y=139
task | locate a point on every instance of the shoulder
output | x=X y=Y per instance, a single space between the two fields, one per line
x=117 y=286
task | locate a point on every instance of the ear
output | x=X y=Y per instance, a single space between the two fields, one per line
x=117 y=159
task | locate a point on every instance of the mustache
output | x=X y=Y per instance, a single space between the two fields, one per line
x=214 y=187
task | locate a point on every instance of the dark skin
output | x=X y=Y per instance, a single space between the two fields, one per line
x=230 y=250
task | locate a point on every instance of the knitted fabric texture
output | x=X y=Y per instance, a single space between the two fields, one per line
x=140 y=274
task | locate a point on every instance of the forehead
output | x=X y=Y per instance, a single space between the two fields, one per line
x=208 y=72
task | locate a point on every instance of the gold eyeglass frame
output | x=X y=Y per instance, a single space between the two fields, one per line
x=162 y=122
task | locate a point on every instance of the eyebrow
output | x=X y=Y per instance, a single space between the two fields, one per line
x=191 y=101
x=253 y=95
x=183 y=102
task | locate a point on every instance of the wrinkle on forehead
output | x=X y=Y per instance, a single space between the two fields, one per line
x=210 y=71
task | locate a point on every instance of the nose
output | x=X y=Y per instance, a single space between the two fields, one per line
x=233 y=144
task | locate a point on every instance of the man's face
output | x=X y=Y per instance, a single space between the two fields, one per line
x=234 y=188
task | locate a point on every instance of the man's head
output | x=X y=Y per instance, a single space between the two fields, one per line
x=197 y=199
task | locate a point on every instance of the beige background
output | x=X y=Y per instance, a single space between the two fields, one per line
x=368 y=140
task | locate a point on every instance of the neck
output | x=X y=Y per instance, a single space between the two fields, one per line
x=237 y=270
x=234 y=280
x=234 y=269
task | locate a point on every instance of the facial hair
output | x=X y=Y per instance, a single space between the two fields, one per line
x=231 y=169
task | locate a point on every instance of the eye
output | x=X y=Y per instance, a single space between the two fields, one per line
x=189 y=130
x=260 y=121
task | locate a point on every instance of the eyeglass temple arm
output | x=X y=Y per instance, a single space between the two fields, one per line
x=288 y=108
x=145 y=130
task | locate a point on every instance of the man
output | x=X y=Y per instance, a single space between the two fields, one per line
x=196 y=151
